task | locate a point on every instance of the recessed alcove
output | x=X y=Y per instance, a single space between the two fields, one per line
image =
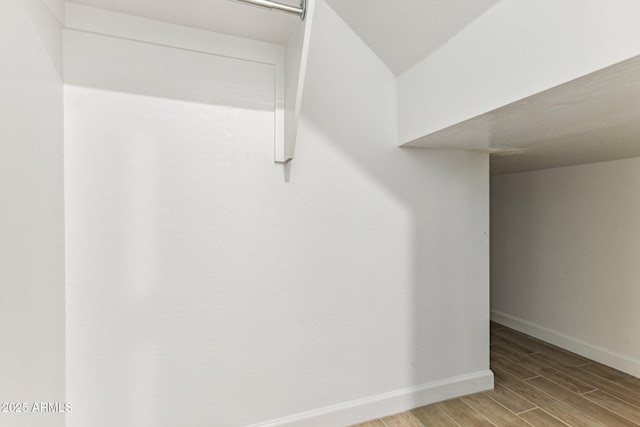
x=590 y=119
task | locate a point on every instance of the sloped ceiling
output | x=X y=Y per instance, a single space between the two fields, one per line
x=400 y=32
x=403 y=32
x=592 y=119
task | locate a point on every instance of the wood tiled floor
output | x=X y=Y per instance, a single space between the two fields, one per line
x=536 y=384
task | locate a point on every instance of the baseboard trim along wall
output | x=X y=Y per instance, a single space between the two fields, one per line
x=603 y=355
x=386 y=404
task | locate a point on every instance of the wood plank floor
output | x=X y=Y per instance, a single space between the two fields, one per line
x=536 y=384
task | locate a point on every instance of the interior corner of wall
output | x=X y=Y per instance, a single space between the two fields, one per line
x=57 y=8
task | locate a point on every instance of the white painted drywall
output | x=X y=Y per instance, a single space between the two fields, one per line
x=564 y=257
x=31 y=211
x=57 y=7
x=209 y=286
x=404 y=33
x=514 y=50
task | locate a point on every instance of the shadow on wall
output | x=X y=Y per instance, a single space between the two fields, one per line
x=405 y=33
x=201 y=280
x=49 y=31
x=350 y=103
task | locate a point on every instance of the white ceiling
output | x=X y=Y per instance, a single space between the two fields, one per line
x=403 y=32
x=591 y=119
x=400 y=32
x=221 y=16
x=595 y=118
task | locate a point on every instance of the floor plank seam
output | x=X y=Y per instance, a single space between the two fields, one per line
x=506 y=386
x=416 y=420
x=569 y=404
x=616 y=412
x=567 y=424
x=481 y=414
x=527 y=410
x=515 y=413
x=554 y=399
x=536 y=384
x=450 y=417
x=619 y=397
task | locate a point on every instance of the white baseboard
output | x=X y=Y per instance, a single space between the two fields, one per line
x=382 y=405
x=603 y=355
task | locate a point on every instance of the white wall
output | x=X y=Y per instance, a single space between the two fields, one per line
x=564 y=257
x=31 y=210
x=514 y=50
x=209 y=286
